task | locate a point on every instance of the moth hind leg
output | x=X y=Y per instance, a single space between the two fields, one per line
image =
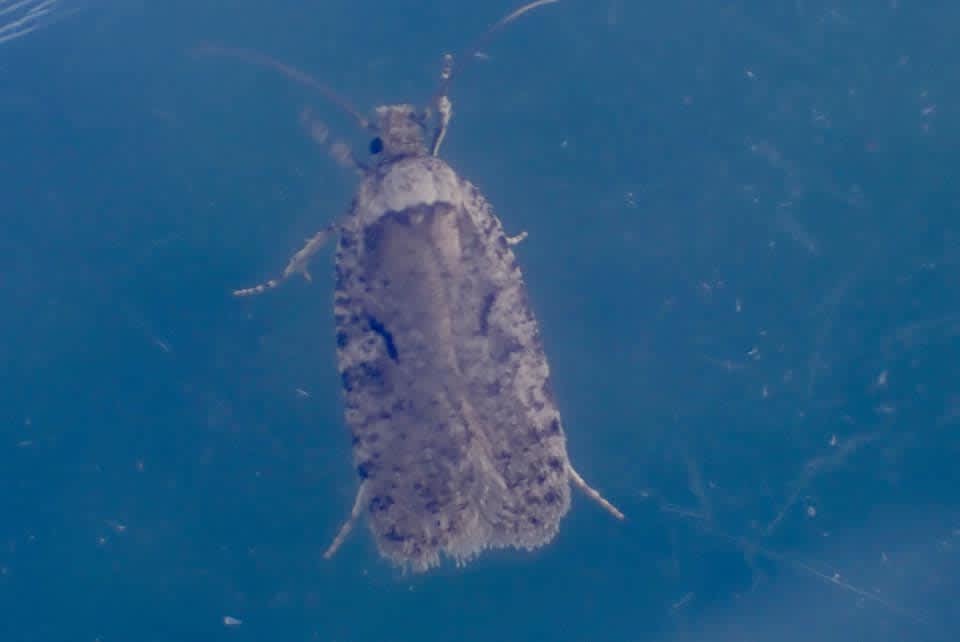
x=348 y=524
x=297 y=265
x=592 y=493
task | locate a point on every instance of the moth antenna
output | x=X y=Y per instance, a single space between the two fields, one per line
x=468 y=54
x=440 y=99
x=302 y=77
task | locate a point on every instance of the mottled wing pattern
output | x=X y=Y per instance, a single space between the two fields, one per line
x=455 y=433
x=412 y=444
x=506 y=375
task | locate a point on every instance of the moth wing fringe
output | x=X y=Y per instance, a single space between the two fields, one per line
x=464 y=551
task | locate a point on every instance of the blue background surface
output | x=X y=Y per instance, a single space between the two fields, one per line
x=743 y=253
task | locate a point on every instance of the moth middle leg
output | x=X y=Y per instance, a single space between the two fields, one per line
x=297 y=265
x=443 y=105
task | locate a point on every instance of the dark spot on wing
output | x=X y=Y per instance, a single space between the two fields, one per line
x=365 y=470
x=381 y=329
x=372 y=238
x=393 y=535
x=378 y=504
x=364 y=374
x=485 y=312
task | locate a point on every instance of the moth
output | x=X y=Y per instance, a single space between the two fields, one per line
x=457 y=439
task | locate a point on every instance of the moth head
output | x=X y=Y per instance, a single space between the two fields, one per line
x=400 y=131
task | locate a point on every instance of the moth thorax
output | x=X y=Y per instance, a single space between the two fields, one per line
x=402 y=130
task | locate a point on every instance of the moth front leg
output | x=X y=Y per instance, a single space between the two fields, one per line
x=443 y=106
x=339 y=151
x=297 y=265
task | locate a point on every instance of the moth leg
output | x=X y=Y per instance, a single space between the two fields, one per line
x=592 y=493
x=297 y=265
x=347 y=525
x=339 y=151
x=444 y=106
x=514 y=240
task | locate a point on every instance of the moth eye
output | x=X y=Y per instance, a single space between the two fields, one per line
x=376 y=145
